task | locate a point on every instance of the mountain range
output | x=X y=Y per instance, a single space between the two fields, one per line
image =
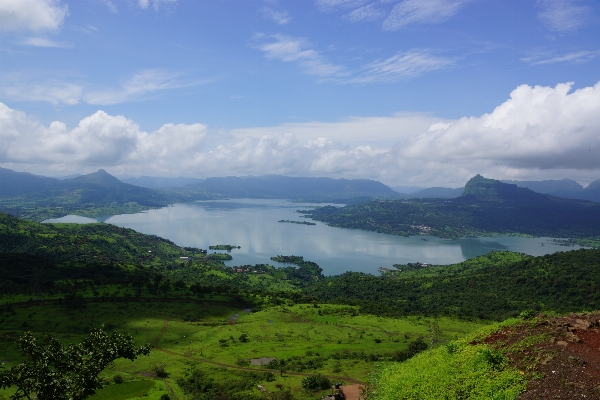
x=485 y=207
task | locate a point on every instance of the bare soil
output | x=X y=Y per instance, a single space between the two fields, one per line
x=560 y=355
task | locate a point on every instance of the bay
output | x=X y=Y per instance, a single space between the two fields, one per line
x=253 y=225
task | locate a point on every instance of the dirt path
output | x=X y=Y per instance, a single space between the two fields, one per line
x=230 y=366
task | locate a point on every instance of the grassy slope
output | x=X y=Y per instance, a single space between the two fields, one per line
x=187 y=334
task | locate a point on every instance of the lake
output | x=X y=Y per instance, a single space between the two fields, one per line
x=252 y=224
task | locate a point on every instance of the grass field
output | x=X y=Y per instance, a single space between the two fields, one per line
x=333 y=340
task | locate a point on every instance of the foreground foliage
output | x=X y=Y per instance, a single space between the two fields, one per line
x=459 y=370
x=54 y=372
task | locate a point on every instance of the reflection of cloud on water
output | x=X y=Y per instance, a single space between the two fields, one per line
x=253 y=226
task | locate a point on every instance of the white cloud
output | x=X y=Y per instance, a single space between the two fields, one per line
x=53 y=92
x=142 y=83
x=575 y=57
x=538 y=133
x=421 y=11
x=32 y=15
x=288 y=49
x=563 y=15
x=42 y=42
x=401 y=66
x=370 y=12
x=280 y=17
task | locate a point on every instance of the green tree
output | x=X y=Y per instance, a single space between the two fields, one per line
x=57 y=372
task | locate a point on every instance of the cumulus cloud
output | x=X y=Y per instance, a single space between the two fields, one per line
x=563 y=15
x=537 y=133
x=538 y=128
x=32 y=15
x=421 y=11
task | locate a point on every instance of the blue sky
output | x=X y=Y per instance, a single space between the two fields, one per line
x=408 y=92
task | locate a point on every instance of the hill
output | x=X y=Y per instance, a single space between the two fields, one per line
x=434 y=192
x=542 y=358
x=567 y=188
x=153 y=182
x=285 y=187
x=98 y=193
x=486 y=207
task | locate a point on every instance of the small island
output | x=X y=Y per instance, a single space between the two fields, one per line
x=297 y=222
x=227 y=247
x=219 y=257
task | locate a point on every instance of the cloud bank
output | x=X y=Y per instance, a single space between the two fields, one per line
x=537 y=133
x=32 y=15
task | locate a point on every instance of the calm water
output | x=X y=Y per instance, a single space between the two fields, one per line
x=252 y=224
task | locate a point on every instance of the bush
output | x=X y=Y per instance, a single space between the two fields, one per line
x=165 y=397
x=117 y=379
x=314 y=383
x=159 y=370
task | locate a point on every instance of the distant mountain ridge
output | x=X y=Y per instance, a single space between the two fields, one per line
x=286 y=187
x=34 y=197
x=154 y=182
x=487 y=206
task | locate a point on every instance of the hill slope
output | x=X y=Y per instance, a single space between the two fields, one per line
x=486 y=207
x=543 y=358
x=98 y=193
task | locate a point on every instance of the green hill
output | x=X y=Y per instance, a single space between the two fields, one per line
x=486 y=207
x=495 y=286
x=99 y=193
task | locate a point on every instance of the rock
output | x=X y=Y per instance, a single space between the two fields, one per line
x=561 y=343
x=571 y=337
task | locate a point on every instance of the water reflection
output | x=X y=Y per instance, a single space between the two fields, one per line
x=252 y=224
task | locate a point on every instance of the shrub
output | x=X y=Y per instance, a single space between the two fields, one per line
x=117 y=379
x=159 y=370
x=165 y=397
x=314 y=383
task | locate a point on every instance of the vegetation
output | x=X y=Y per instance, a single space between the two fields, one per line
x=297 y=222
x=495 y=286
x=227 y=247
x=52 y=371
x=487 y=207
x=38 y=198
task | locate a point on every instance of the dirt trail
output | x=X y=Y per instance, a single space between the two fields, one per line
x=230 y=366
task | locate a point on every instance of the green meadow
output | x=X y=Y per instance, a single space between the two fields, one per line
x=218 y=336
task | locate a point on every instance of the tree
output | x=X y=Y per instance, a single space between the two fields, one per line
x=52 y=371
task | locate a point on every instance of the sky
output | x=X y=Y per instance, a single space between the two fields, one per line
x=407 y=92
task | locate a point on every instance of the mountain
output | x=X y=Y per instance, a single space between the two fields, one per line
x=435 y=192
x=153 y=182
x=14 y=183
x=567 y=188
x=285 y=187
x=407 y=189
x=98 y=193
x=548 y=186
x=486 y=207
